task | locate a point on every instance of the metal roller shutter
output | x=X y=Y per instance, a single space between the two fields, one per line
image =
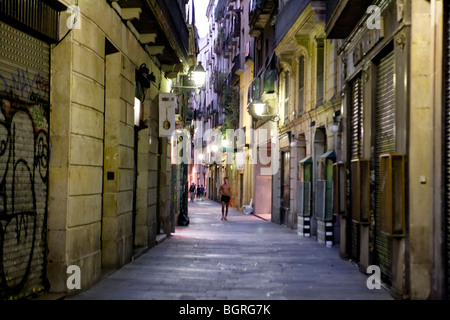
x=356 y=120
x=385 y=143
x=447 y=151
x=24 y=155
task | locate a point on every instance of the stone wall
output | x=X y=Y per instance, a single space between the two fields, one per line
x=90 y=215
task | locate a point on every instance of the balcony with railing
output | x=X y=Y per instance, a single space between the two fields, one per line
x=228 y=81
x=236 y=24
x=287 y=16
x=235 y=69
x=219 y=43
x=260 y=15
x=343 y=16
x=220 y=81
x=164 y=18
x=232 y=34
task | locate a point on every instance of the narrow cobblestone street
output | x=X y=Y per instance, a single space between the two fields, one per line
x=244 y=258
x=328 y=120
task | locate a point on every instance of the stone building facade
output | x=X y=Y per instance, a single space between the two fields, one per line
x=392 y=55
x=101 y=183
x=310 y=106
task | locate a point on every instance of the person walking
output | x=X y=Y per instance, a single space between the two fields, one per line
x=192 y=191
x=199 y=193
x=202 y=192
x=225 y=193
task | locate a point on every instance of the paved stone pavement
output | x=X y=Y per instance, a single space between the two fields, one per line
x=244 y=258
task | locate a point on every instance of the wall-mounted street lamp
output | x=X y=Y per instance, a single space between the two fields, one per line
x=259 y=107
x=144 y=77
x=335 y=126
x=258 y=111
x=294 y=140
x=225 y=142
x=198 y=75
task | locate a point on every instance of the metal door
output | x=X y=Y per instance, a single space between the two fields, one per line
x=384 y=143
x=24 y=155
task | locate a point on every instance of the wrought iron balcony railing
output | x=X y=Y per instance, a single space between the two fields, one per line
x=260 y=14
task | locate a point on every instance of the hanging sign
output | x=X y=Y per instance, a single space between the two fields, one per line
x=167 y=106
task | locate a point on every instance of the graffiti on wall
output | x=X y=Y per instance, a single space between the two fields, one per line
x=25 y=85
x=24 y=157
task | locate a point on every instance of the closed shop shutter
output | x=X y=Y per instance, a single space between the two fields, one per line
x=356 y=119
x=24 y=155
x=384 y=143
x=356 y=122
x=447 y=151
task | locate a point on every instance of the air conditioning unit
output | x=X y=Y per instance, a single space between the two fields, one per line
x=360 y=190
x=392 y=194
